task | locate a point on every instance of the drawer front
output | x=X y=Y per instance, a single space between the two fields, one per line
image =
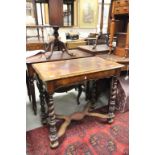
x=34 y=46
x=121 y=52
x=119 y=3
x=121 y=10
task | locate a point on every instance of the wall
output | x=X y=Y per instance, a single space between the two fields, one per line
x=82 y=32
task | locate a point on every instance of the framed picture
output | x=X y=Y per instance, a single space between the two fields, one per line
x=88 y=13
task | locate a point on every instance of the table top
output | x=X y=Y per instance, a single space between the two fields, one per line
x=115 y=58
x=57 y=55
x=99 y=48
x=69 y=68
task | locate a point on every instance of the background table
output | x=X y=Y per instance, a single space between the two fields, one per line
x=100 y=49
x=118 y=59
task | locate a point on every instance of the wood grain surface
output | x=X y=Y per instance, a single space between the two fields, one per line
x=69 y=68
x=98 y=49
x=115 y=58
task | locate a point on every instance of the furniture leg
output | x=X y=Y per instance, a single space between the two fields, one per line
x=93 y=94
x=34 y=105
x=42 y=101
x=79 y=93
x=28 y=86
x=112 y=99
x=52 y=122
x=87 y=90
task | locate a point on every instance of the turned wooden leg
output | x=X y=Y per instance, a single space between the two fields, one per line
x=112 y=99
x=34 y=105
x=87 y=90
x=42 y=101
x=28 y=86
x=52 y=122
x=79 y=93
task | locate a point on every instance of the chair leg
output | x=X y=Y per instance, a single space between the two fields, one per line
x=79 y=93
x=28 y=86
x=87 y=90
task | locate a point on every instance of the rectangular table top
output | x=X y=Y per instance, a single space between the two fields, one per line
x=57 y=55
x=115 y=58
x=99 y=49
x=69 y=68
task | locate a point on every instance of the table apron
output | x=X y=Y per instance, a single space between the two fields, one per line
x=52 y=85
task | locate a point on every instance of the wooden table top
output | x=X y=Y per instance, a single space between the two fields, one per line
x=114 y=58
x=69 y=68
x=99 y=49
x=57 y=55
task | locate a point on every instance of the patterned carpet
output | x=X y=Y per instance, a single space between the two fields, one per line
x=90 y=136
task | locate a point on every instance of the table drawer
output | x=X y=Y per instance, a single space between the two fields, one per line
x=119 y=3
x=34 y=46
x=121 y=10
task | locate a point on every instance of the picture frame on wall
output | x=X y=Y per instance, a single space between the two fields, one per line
x=88 y=13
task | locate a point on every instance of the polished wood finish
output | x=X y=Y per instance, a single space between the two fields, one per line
x=56 y=12
x=42 y=101
x=100 y=49
x=120 y=52
x=57 y=44
x=112 y=29
x=121 y=40
x=118 y=59
x=59 y=74
x=35 y=45
x=114 y=58
x=52 y=122
x=121 y=7
x=120 y=12
x=71 y=68
x=120 y=3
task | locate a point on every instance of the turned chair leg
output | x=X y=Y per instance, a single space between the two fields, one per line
x=79 y=93
x=93 y=95
x=28 y=86
x=32 y=91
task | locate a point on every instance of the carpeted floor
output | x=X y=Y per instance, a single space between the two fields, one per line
x=90 y=136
